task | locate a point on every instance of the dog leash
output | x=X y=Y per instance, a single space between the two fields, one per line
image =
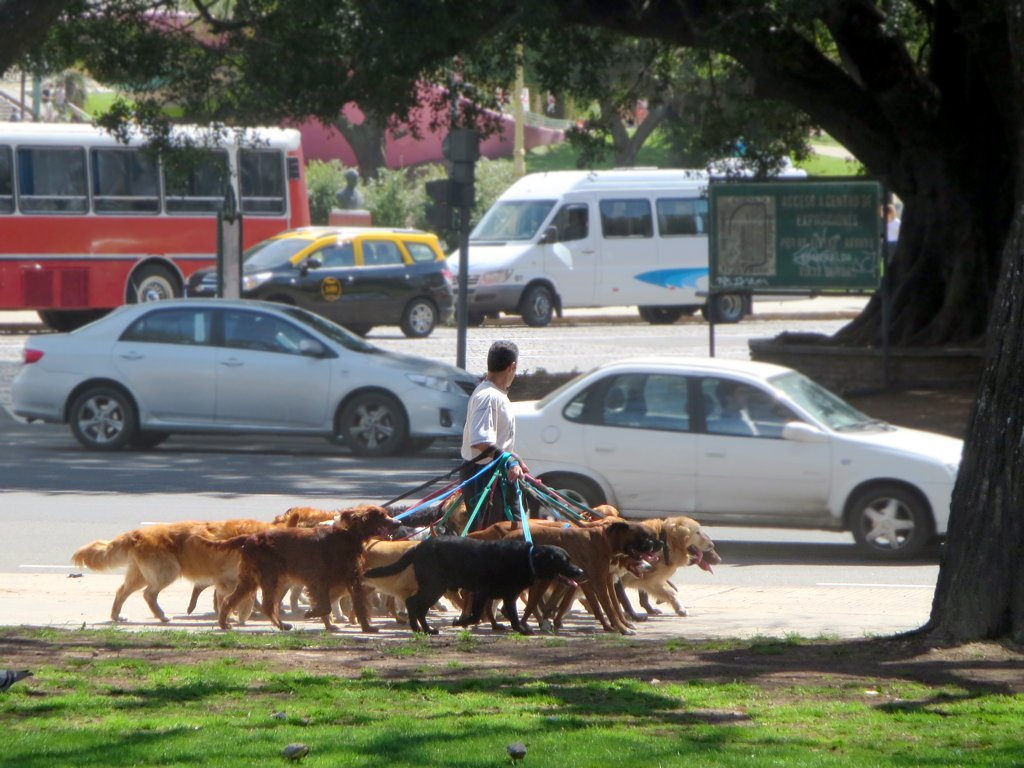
x=433 y=480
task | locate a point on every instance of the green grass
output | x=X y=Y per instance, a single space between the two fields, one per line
x=220 y=709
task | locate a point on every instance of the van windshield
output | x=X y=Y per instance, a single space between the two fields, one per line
x=512 y=220
x=273 y=253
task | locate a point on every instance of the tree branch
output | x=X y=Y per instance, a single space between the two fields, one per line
x=23 y=26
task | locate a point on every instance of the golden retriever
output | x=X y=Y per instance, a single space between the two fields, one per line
x=158 y=555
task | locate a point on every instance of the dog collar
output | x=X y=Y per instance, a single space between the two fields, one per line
x=663 y=538
x=529 y=559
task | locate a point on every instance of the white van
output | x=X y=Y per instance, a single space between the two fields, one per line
x=596 y=239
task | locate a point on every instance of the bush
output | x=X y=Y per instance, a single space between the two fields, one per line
x=323 y=183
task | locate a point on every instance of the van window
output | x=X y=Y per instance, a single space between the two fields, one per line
x=682 y=216
x=52 y=179
x=200 y=188
x=572 y=222
x=124 y=181
x=512 y=220
x=626 y=218
x=6 y=181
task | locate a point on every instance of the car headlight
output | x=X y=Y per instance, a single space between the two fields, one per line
x=256 y=279
x=496 y=277
x=430 y=382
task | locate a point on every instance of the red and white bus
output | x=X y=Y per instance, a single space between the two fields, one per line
x=88 y=223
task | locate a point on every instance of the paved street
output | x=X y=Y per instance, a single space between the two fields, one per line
x=57 y=496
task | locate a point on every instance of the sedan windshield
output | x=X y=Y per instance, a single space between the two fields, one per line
x=826 y=407
x=512 y=220
x=334 y=332
x=273 y=253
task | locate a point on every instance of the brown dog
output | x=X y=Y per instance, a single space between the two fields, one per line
x=326 y=559
x=158 y=555
x=683 y=543
x=592 y=549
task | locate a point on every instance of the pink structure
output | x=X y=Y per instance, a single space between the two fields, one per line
x=323 y=143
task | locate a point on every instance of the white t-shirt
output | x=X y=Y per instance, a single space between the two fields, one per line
x=488 y=420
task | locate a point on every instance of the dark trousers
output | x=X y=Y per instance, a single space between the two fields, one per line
x=493 y=509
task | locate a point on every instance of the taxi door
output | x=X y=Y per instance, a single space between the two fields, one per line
x=333 y=289
x=385 y=281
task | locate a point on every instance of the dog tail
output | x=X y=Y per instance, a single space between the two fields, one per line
x=101 y=555
x=390 y=570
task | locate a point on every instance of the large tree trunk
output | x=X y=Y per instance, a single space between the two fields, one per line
x=980 y=593
x=367 y=142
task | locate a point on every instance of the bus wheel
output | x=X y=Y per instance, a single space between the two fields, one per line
x=63 y=321
x=153 y=283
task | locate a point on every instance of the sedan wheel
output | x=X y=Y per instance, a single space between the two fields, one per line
x=888 y=521
x=419 y=318
x=374 y=424
x=103 y=418
x=579 y=489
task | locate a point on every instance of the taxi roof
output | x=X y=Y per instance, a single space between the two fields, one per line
x=315 y=232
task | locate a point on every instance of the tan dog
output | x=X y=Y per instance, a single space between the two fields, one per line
x=326 y=559
x=683 y=543
x=305 y=517
x=158 y=555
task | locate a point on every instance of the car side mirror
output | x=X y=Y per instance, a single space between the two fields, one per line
x=311 y=262
x=550 y=236
x=801 y=432
x=312 y=348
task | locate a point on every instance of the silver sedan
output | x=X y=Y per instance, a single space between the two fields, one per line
x=217 y=366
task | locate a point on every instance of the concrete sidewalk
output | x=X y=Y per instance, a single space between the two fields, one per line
x=57 y=600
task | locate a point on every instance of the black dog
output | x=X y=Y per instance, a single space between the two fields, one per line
x=489 y=569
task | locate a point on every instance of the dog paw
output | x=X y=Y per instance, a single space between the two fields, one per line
x=119 y=619
x=525 y=630
x=627 y=631
x=285 y=627
x=164 y=619
x=654 y=612
x=371 y=630
x=638 y=617
x=682 y=612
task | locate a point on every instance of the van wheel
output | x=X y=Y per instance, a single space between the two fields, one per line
x=153 y=283
x=888 y=521
x=661 y=315
x=419 y=318
x=538 y=306
x=725 y=307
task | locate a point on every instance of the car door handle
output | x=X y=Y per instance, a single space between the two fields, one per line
x=587 y=252
x=132 y=355
x=232 y=362
x=604 y=448
x=715 y=454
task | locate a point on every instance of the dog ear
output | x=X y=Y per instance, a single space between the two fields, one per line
x=619 y=526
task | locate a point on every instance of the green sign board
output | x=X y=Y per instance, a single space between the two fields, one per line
x=795 y=235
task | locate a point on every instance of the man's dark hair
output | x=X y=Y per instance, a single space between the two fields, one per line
x=501 y=355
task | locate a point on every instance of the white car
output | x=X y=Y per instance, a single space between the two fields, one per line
x=239 y=367
x=735 y=442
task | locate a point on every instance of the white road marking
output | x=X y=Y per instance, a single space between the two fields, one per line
x=66 y=567
x=896 y=586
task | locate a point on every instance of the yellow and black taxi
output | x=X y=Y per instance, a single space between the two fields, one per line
x=358 y=277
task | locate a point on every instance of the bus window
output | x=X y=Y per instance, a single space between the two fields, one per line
x=124 y=181
x=52 y=179
x=200 y=188
x=6 y=181
x=626 y=218
x=678 y=216
x=261 y=175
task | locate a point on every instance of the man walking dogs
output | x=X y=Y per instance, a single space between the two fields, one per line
x=491 y=429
